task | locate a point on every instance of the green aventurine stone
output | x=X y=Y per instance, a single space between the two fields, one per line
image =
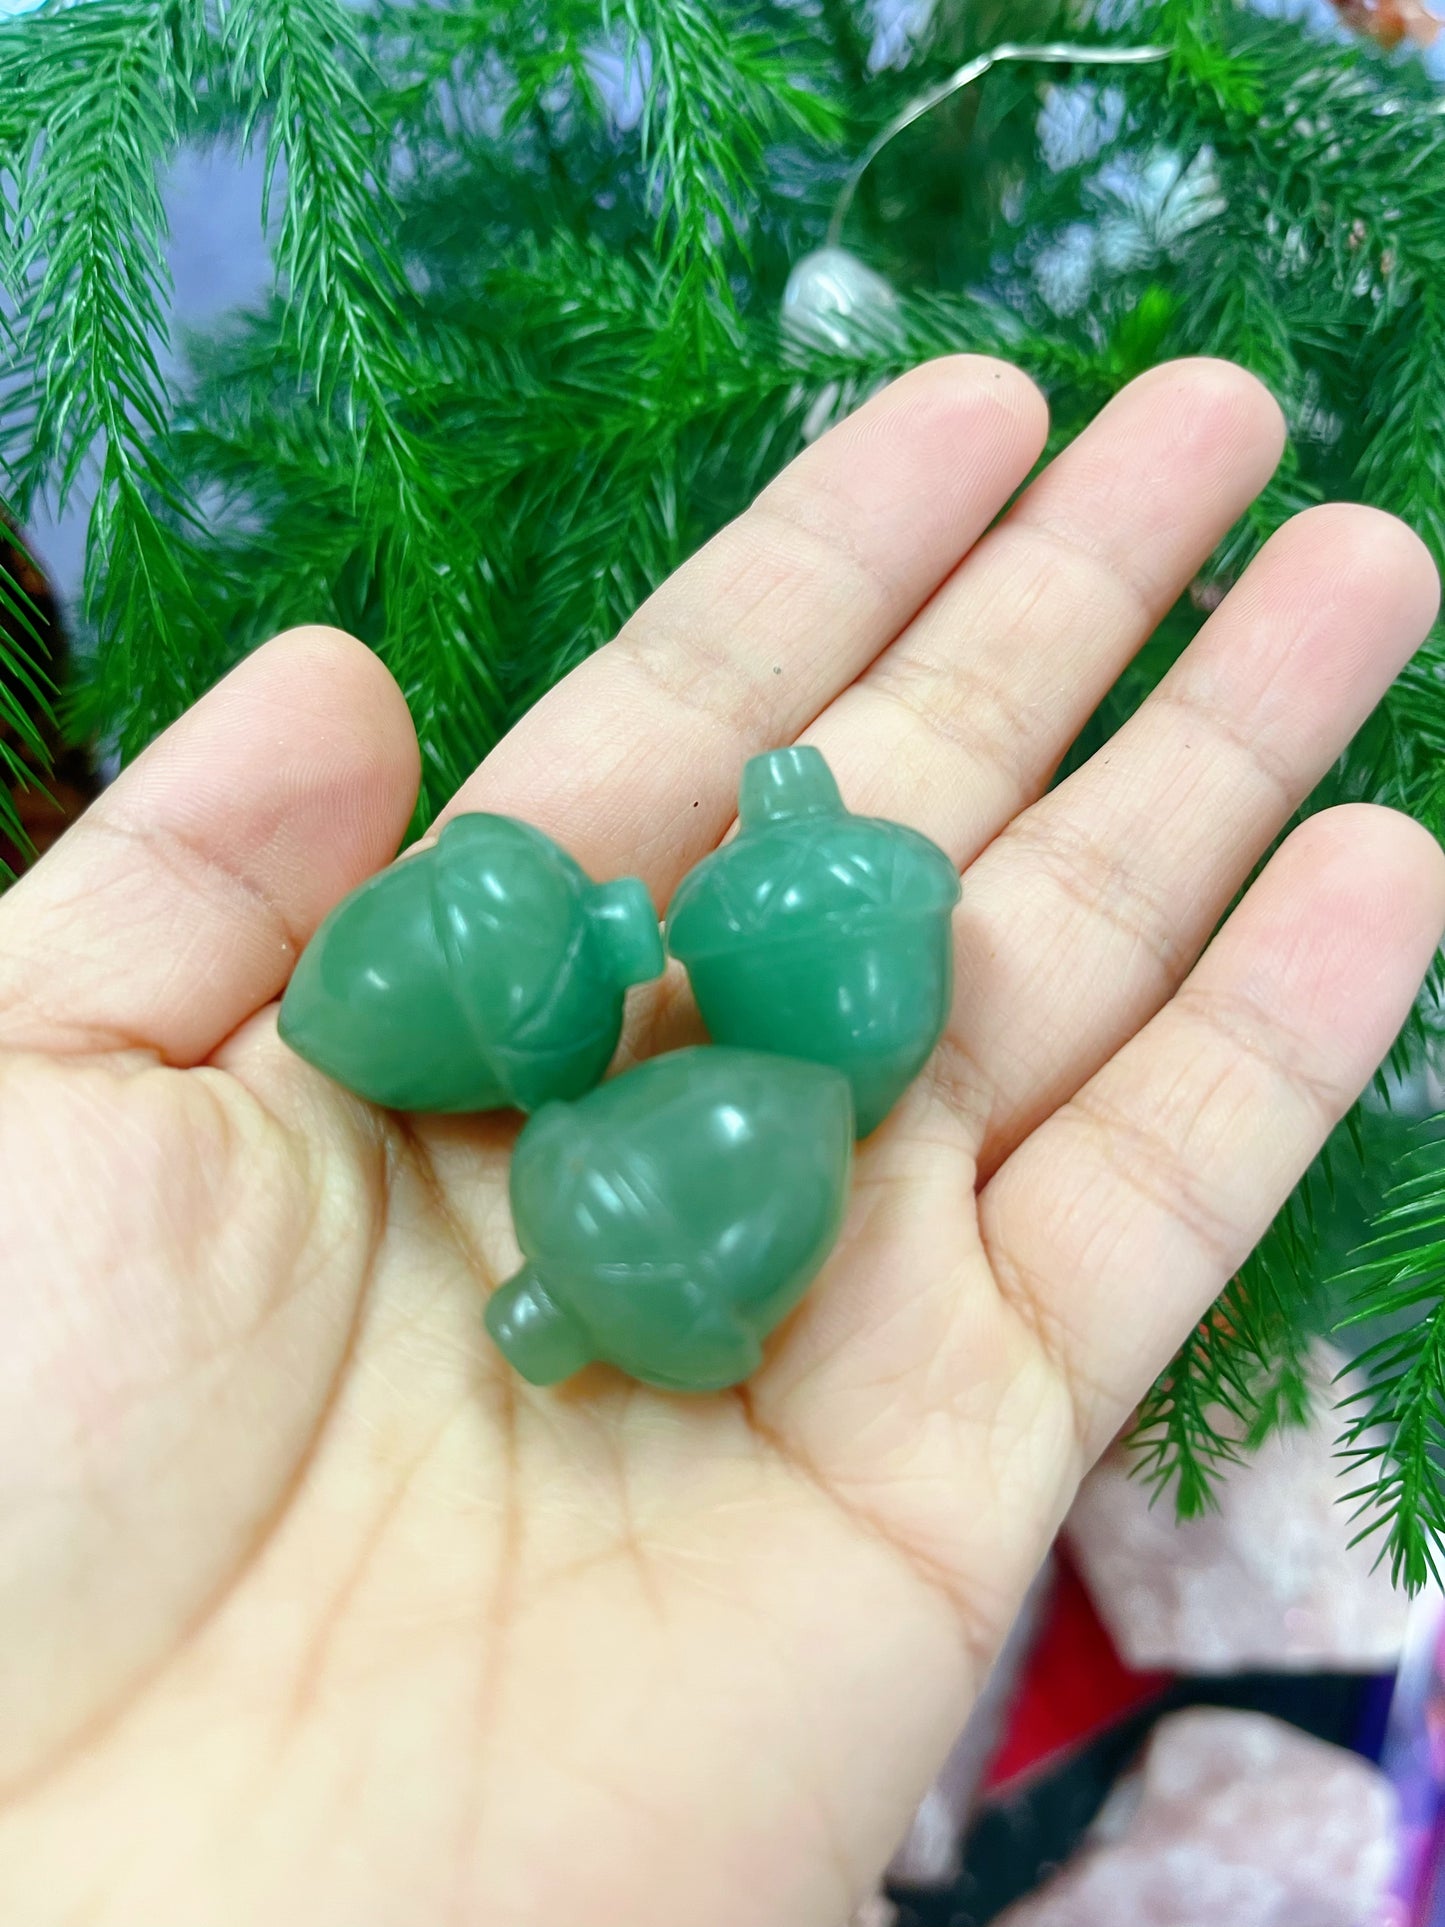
x=670 y=1219
x=820 y=934
x=488 y=971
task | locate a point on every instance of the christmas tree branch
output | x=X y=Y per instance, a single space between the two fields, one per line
x=712 y=93
x=301 y=64
x=1243 y=1373
x=1395 y=1437
x=100 y=90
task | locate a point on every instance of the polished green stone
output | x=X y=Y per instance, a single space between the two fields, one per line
x=819 y=934
x=487 y=971
x=672 y=1217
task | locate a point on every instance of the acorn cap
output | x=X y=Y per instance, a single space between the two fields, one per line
x=801 y=856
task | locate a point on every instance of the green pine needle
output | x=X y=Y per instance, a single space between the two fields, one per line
x=1395 y=1436
x=1244 y=1374
x=300 y=65
x=1186 y=1431
x=98 y=94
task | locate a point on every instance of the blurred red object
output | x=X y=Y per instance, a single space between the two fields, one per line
x=1390 y=21
x=1072 y=1687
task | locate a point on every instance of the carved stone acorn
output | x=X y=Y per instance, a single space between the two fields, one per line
x=819 y=934
x=672 y=1217
x=488 y=971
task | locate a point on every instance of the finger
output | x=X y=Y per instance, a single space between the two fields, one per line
x=633 y=761
x=177 y=905
x=1082 y=917
x=963 y=721
x=1123 y=1216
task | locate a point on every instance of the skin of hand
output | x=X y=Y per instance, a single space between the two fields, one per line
x=309 y=1610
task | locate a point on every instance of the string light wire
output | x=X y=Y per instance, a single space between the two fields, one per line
x=1056 y=53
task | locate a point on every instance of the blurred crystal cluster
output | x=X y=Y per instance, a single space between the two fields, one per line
x=1145 y=203
x=1232 y=1818
x=897 y=27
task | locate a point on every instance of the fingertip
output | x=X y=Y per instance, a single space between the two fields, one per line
x=1348 y=592
x=1339 y=933
x=1217 y=406
x=176 y=906
x=1229 y=381
x=1376 y=549
x=346 y=721
x=970 y=382
x=320 y=644
x=964 y=429
x=1377 y=867
x=355 y=682
x=300 y=769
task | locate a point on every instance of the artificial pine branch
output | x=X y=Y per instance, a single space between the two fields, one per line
x=1243 y=1375
x=97 y=95
x=713 y=92
x=1187 y=1428
x=300 y=63
x=1395 y=1438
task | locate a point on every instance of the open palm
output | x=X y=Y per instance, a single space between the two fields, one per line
x=310 y=1611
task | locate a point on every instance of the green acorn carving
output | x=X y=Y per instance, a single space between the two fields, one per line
x=488 y=971
x=819 y=934
x=671 y=1218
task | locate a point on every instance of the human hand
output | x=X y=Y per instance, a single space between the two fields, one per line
x=311 y=1611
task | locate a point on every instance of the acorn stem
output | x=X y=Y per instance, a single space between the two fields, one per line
x=787 y=782
x=528 y=1326
x=624 y=925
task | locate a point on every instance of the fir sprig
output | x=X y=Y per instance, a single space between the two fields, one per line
x=300 y=64
x=97 y=93
x=713 y=91
x=1395 y=1438
x=1188 y=1428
